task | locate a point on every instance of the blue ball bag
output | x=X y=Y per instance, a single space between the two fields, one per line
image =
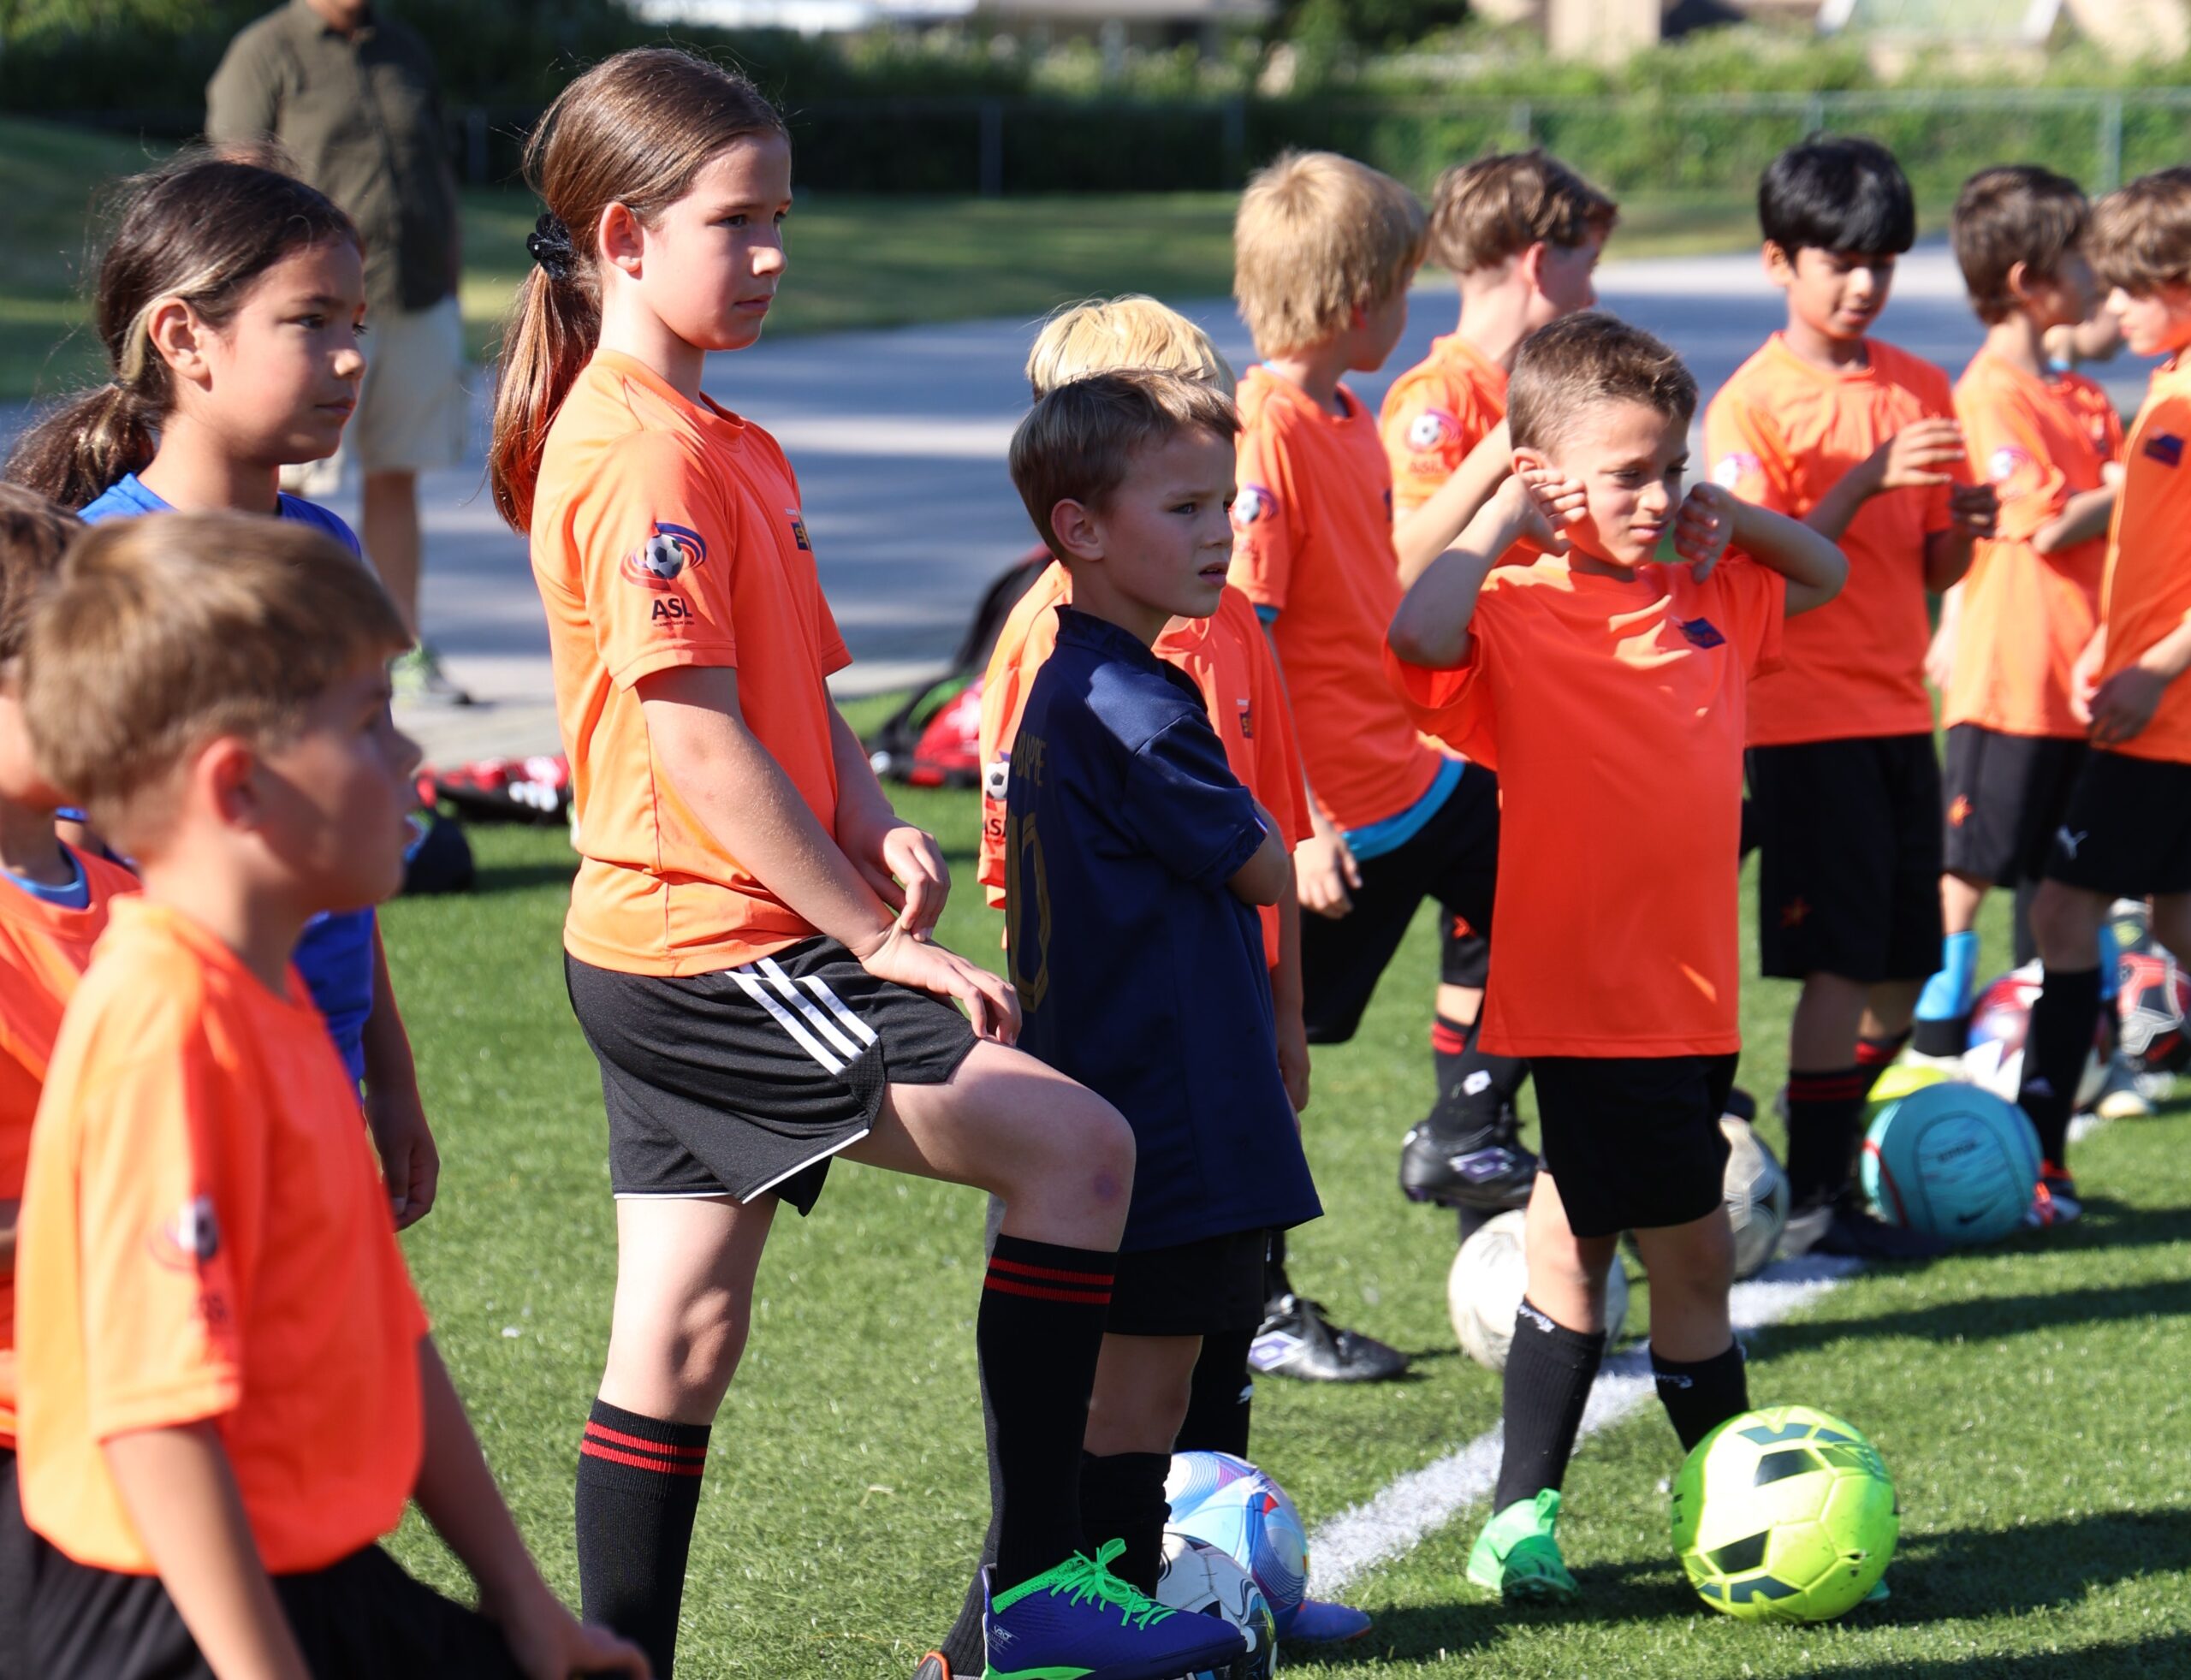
x=1954 y=1161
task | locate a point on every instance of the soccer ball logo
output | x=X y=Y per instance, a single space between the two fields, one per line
x=1733 y=469
x=1253 y=503
x=669 y=551
x=1432 y=430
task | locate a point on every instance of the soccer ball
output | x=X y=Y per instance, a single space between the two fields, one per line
x=2130 y=920
x=1200 y=1579
x=1484 y=1291
x=1227 y=1503
x=1756 y=1196
x=1999 y=1023
x=1900 y=1079
x=1953 y=1161
x=1785 y=1515
x=2152 y=996
x=660 y=557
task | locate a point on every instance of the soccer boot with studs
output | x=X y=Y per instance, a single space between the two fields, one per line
x=1080 y=1622
x=1517 y=1554
x=1296 y=1340
x=1482 y=1167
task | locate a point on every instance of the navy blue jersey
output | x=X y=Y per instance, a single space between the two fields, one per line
x=1139 y=973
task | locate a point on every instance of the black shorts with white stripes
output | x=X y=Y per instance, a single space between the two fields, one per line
x=743 y=1082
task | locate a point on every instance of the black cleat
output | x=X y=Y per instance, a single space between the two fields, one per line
x=1296 y=1340
x=1482 y=1169
x=1857 y=1233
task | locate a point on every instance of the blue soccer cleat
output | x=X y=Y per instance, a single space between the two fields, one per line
x=1080 y=1622
x=1319 y=1623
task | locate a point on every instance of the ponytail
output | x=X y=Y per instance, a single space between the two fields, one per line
x=76 y=450
x=201 y=230
x=634 y=130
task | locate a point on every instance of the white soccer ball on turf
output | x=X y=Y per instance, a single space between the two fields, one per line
x=1484 y=1291
x=1199 y=1580
x=1756 y=1190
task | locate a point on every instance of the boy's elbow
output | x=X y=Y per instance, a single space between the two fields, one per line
x=1411 y=639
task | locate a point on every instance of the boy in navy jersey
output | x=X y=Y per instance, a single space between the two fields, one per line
x=1135 y=861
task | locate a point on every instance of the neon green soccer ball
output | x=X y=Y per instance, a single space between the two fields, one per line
x=1785 y=1515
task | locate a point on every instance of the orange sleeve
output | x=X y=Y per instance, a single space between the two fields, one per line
x=1266 y=523
x=1279 y=782
x=1747 y=456
x=2005 y=444
x=1030 y=632
x=657 y=544
x=1939 y=403
x=1428 y=431
x=167 y=1170
x=1455 y=705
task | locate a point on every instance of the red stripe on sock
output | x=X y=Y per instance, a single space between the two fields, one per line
x=604 y=1433
x=1875 y=1052
x=1447 y=1040
x=1035 y=1292
x=592 y=1449
x=1019 y=1269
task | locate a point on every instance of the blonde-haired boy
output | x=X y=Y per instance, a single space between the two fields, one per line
x=1520 y=232
x=2127 y=830
x=210 y=1294
x=1324 y=250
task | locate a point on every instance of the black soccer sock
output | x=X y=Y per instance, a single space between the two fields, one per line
x=1039 y=1330
x=638 y=1491
x=1276 y=1284
x=1875 y=1055
x=1122 y=1498
x=1699 y=1397
x=1222 y=1397
x=2055 y=1044
x=1475 y=1090
x=1549 y=1371
x=1825 y=1111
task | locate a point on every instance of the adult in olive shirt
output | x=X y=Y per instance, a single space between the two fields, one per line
x=349 y=94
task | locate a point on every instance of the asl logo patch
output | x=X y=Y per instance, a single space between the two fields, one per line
x=1701 y=632
x=2005 y=466
x=1252 y=504
x=189 y=1240
x=1247 y=720
x=669 y=552
x=2166 y=447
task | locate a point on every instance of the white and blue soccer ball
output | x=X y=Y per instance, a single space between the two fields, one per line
x=1199 y=1580
x=661 y=557
x=1228 y=1503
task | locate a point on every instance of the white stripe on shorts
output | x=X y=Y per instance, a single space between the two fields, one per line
x=815 y=1018
x=852 y=1024
x=789 y=1021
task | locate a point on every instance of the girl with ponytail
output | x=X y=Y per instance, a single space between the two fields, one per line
x=230 y=306
x=748 y=945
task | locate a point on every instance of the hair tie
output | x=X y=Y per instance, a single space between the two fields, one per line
x=549 y=244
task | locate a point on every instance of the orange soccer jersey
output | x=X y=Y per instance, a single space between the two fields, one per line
x=205 y=1240
x=1313 y=544
x=1614 y=711
x=2146 y=595
x=1437 y=411
x=43 y=948
x=2026 y=616
x=1782 y=433
x=1231 y=663
x=668 y=534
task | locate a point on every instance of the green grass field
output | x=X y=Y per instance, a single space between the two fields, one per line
x=860 y=262
x=2030 y=1399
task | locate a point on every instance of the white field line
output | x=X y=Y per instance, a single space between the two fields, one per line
x=1422 y=1502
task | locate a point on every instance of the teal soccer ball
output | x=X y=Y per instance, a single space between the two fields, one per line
x=1954 y=1161
x=1785 y=1515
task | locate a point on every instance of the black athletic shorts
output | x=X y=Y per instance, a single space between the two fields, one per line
x=1850 y=882
x=361 y=1618
x=1212 y=1287
x=2128 y=829
x=1453 y=859
x=2005 y=795
x=1633 y=1143
x=746 y=1081
x=17 y=1548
